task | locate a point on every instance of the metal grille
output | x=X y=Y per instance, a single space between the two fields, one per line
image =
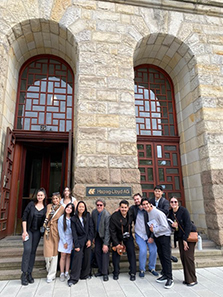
x=153 y=103
x=45 y=97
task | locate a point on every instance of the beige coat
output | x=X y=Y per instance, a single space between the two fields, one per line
x=50 y=244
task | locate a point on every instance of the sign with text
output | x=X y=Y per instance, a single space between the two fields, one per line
x=108 y=191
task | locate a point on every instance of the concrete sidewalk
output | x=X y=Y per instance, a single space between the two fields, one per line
x=210 y=284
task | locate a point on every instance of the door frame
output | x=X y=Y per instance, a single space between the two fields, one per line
x=18 y=170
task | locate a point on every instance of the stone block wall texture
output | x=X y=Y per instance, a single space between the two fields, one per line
x=103 y=41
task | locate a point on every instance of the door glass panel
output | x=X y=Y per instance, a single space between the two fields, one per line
x=161 y=174
x=164 y=163
x=172 y=170
x=145 y=162
x=159 y=151
x=175 y=163
x=177 y=182
x=148 y=151
x=55 y=173
x=169 y=147
x=150 y=174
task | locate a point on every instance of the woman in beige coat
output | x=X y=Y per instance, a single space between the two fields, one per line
x=51 y=236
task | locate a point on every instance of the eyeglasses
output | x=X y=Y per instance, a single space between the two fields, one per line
x=173 y=201
x=99 y=204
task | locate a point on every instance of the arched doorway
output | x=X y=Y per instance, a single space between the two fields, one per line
x=157 y=135
x=42 y=131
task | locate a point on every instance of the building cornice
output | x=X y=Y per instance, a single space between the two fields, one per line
x=204 y=7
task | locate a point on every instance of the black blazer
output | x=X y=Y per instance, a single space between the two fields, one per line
x=163 y=204
x=81 y=234
x=183 y=218
x=28 y=215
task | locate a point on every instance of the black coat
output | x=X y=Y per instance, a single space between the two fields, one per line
x=183 y=219
x=82 y=234
x=117 y=226
x=163 y=204
x=29 y=213
x=133 y=215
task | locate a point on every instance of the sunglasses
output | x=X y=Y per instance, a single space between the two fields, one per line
x=173 y=201
x=99 y=204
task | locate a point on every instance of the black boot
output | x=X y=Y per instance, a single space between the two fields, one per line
x=30 y=279
x=24 y=280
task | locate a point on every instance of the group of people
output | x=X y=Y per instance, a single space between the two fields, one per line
x=68 y=226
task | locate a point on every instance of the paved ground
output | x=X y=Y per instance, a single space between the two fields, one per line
x=210 y=284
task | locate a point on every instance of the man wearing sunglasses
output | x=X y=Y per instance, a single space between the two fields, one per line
x=101 y=217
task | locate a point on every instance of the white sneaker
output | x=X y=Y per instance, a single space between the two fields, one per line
x=62 y=277
x=49 y=280
x=67 y=276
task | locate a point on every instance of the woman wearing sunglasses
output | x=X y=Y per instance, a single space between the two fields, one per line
x=183 y=226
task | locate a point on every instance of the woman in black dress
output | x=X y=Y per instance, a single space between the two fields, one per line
x=183 y=226
x=82 y=231
x=32 y=219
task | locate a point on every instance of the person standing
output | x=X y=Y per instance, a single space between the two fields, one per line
x=100 y=217
x=82 y=231
x=51 y=236
x=32 y=219
x=144 y=237
x=183 y=226
x=162 y=204
x=65 y=245
x=159 y=226
x=67 y=198
x=121 y=235
x=159 y=201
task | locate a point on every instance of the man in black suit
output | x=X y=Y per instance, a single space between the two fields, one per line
x=100 y=217
x=162 y=204
x=121 y=235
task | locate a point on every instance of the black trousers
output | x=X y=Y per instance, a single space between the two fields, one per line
x=130 y=249
x=187 y=259
x=164 y=252
x=101 y=258
x=29 y=251
x=81 y=264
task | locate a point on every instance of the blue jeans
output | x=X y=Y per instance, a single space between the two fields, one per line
x=143 y=253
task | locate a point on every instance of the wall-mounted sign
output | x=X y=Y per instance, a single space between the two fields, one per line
x=108 y=191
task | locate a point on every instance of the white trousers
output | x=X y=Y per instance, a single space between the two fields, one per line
x=51 y=267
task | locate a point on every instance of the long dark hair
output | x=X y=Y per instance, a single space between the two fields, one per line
x=65 y=215
x=69 y=194
x=44 y=192
x=84 y=215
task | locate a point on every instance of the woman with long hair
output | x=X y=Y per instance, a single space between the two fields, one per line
x=51 y=236
x=82 y=231
x=66 y=241
x=67 y=197
x=32 y=219
x=183 y=226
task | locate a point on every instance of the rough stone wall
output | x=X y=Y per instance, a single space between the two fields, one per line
x=103 y=41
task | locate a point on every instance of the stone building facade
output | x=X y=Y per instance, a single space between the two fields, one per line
x=102 y=41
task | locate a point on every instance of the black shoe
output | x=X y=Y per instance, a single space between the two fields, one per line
x=105 y=278
x=132 y=277
x=161 y=279
x=98 y=274
x=24 y=280
x=169 y=283
x=71 y=282
x=192 y=284
x=30 y=278
x=184 y=283
x=174 y=259
x=115 y=277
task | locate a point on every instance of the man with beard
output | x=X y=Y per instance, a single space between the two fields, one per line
x=121 y=236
